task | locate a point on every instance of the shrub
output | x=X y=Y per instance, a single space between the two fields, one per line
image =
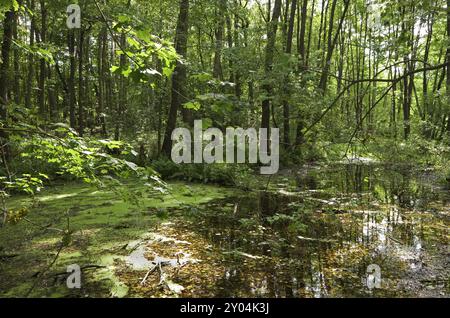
x=218 y=173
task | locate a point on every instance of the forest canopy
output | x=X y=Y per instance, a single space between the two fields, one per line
x=364 y=70
x=96 y=98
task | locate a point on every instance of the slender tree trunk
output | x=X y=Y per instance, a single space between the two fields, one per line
x=322 y=15
x=4 y=77
x=122 y=101
x=235 y=71
x=268 y=64
x=42 y=63
x=250 y=83
x=303 y=57
x=217 y=68
x=179 y=76
x=101 y=65
x=80 y=83
x=8 y=30
x=123 y=84
x=71 y=82
x=448 y=66
x=301 y=41
x=331 y=46
x=30 y=75
x=109 y=79
x=52 y=95
x=408 y=82
x=286 y=93
x=425 y=63
x=17 y=74
x=311 y=21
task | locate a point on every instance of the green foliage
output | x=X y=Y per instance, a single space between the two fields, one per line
x=61 y=153
x=417 y=150
x=447 y=177
x=225 y=174
x=280 y=219
x=162 y=213
x=39 y=51
x=24 y=183
x=68 y=155
x=6 y=5
x=142 y=51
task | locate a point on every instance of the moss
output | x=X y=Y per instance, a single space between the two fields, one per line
x=17 y=291
x=117 y=288
x=101 y=224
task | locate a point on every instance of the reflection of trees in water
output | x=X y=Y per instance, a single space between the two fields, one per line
x=290 y=267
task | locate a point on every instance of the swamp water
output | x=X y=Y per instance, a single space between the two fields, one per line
x=313 y=233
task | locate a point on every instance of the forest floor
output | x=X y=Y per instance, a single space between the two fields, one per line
x=312 y=234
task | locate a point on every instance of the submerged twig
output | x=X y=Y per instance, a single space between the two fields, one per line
x=40 y=274
x=151 y=271
x=62 y=244
x=43 y=227
x=82 y=268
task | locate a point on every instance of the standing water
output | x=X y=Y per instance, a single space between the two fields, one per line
x=320 y=233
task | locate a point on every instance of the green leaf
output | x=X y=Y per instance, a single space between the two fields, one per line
x=15 y=5
x=132 y=165
x=192 y=105
x=132 y=42
x=114 y=68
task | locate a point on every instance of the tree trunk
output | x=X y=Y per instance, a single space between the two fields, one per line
x=179 y=76
x=235 y=72
x=122 y=90
x=311 y=20
x=71 y=82
x=4 y=77
x=286 y=93
x=30 y=75
x=425 y=97
x=101 y=61
x=80 y=83
x=8 y=26
x=268 y=64
x=448 y=66
x=217 y=68
x=301 y=40
x=42 y=63
x=331 y=46
x=17 y=74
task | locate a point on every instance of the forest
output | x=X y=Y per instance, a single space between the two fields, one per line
x=354 y=94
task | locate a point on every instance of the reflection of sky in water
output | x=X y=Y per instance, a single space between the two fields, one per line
x=345 y=224
x=259 y=287
x=317 y=286
x=381 y=233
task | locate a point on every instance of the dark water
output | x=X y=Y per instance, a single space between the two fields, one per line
x=316 y=231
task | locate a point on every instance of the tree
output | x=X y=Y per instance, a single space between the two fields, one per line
x=332 y=43
x=272 y=29
x=448 y=64
x=179 y=76
x=8 y=25
x=286 y=107
x=110 y=79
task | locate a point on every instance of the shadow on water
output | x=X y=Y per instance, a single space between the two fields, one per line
x=316 y=231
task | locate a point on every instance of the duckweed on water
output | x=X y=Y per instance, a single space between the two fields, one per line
x=312 y=234
x=101 y=224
